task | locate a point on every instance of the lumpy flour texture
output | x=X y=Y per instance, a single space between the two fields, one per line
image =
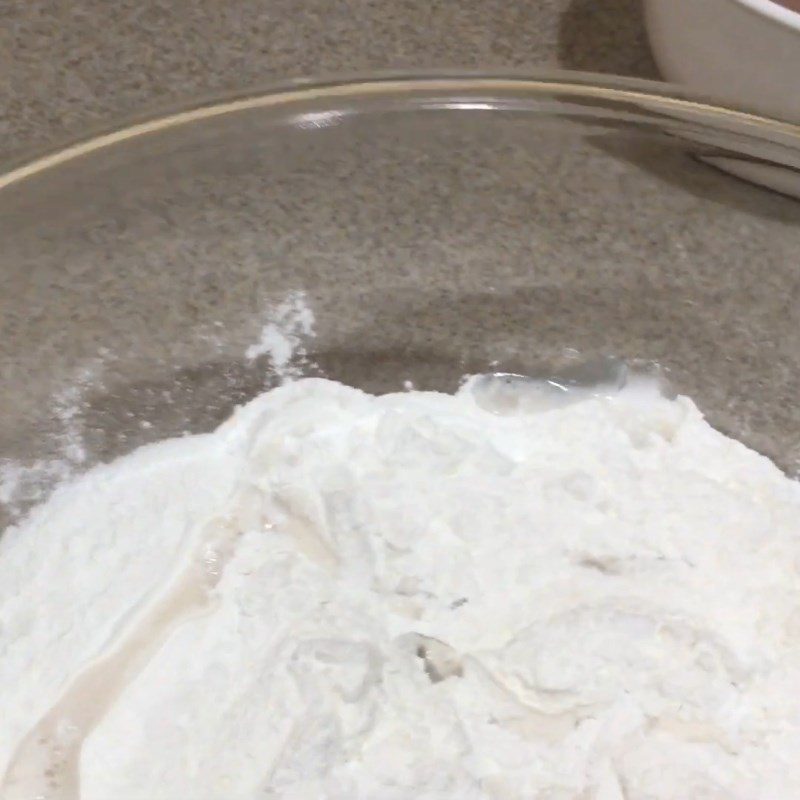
x=410 y=597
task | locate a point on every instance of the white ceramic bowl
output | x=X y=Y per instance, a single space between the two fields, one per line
x=743 y=51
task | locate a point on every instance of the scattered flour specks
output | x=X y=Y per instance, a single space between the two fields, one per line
x=282 y=337
x=22 y=484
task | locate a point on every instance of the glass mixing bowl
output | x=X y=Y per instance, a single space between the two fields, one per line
x=436 y=226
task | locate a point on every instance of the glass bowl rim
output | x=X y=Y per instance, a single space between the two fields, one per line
x=409 y=84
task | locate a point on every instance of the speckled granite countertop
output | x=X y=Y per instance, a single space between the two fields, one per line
x=505 y=243
x=66 y=65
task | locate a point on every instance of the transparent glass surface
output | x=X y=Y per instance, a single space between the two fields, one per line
x=436 y=225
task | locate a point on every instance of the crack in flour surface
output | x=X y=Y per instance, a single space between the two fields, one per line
x=506 y=593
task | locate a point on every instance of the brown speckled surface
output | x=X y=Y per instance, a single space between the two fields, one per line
x=69 y=64
x=429 y=244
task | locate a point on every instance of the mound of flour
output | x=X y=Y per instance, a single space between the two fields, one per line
x=415 y=596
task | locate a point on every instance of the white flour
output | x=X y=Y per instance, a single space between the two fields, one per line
x=281 y=340
x=410 y=597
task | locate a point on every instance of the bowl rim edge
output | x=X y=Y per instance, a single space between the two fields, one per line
x=535 y=82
